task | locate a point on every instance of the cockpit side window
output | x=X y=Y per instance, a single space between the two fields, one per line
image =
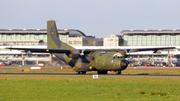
x=115 y=57
x=119 y=56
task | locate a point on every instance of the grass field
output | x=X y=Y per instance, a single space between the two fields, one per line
x=61 y=88
x=53 y=88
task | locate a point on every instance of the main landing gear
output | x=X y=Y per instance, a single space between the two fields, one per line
x=102 y=72
x=118 y=72
x=81 y=72
x=105 y=72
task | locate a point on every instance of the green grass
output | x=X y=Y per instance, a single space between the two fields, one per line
x=60 y=88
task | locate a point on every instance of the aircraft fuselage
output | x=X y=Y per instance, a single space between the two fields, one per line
x=109 y=61
x=98 y=61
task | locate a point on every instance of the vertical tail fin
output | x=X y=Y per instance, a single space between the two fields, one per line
x=53 y=41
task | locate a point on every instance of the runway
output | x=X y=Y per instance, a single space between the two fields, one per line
x=89 y=75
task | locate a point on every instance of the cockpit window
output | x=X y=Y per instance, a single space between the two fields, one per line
x=118 y=56
x=115 y=57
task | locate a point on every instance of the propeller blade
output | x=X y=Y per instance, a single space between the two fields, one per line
x=78 y=62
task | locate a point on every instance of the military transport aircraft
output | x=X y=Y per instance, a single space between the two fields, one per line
x=83 y=60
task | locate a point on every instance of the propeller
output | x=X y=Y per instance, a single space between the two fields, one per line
x=81 y=61
x=74 y=53
x=78 y=62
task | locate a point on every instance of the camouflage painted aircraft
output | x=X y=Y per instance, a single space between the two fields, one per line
x=100 y=60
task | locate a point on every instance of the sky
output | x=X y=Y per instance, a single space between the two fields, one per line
x=93 y=17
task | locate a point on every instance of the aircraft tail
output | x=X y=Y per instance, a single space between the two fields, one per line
x=53 y=41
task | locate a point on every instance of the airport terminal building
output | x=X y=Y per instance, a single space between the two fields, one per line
x=151 y=37
x=145 y=38
x=37 y=38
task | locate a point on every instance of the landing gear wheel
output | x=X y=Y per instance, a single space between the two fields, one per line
x=102 y=72
x=118 y=72
x=105 y=72
x=78 y=72
x=83 y=72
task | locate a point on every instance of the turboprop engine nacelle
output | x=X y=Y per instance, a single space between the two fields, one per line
x=74 y=54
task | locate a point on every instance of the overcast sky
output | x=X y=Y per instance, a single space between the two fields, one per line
x=93 y=17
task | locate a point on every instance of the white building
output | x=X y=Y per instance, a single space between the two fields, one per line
x=113 y=40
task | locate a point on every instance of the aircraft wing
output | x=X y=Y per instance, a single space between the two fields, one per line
x=155 y=49
x=86 y=51
x=42 y=50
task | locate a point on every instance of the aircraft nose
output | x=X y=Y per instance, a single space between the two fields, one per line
x=123 y=64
